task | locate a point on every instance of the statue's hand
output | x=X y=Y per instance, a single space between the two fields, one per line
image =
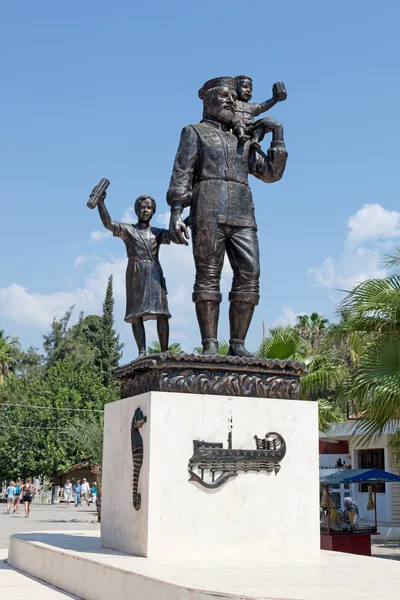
x=279 y=91
x=277 y=156
x=177 y=229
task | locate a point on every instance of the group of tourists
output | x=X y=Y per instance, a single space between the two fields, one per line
x=81 y=492
x=17 y=492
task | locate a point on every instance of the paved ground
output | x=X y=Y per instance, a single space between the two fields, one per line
x=15 y=585
x=46 y=518
x=386 y=550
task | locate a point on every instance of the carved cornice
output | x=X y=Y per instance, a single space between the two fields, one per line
x=221 y=375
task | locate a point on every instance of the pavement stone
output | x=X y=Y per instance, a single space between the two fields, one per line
x=17 y=586
x=46 y=517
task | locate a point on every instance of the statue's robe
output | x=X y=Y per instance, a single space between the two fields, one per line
x=146 y=290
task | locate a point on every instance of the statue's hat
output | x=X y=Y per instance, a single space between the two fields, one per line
x=229 y=82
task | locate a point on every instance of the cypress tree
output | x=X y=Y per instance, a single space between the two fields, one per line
x=110 y=346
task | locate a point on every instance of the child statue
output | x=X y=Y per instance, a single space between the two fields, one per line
x=244 y=126
x=146 y=291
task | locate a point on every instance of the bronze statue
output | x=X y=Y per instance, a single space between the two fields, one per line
x=210 y=175
x=146 y=291
x=244 y=126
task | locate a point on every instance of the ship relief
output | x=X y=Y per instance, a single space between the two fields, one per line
x=212 y=465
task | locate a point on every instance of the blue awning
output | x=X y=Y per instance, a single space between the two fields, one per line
x=359 y=476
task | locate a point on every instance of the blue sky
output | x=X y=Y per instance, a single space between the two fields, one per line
x=100 y=89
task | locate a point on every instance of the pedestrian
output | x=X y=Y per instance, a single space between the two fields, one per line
x=67 y=492
x=10 y=496
x=85 y=491
x=28 y=489
x=77 y=492
x=94 y=493
x=17 y=495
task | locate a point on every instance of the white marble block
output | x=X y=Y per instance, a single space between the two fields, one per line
x=252 y=514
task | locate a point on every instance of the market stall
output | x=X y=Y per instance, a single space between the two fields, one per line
x=340 y=530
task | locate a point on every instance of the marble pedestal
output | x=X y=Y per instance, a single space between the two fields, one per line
x=251 y=515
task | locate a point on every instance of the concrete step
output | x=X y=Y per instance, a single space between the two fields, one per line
x=76 y=561
x=18 y=586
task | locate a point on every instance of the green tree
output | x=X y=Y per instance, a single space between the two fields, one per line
x=26 y=364
x=36 y=416
x=80 y=342
x=6 y=354
x=283 y=343
x=155 y=348
x=326 y=369
x=110 y=346
x=223 y=348
x=312 y=327
x=371 y=313
x=54 y=341
x=91 y=340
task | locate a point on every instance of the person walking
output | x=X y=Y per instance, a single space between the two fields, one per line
x=94 y=494
x=10 y=496
x=17 y=495
x=28 y=489
x=77 y=492
x=85 y=491
x=67 y=492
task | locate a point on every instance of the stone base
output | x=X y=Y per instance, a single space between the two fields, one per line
x=76 y=563
x=252 y=514
x=220 y=375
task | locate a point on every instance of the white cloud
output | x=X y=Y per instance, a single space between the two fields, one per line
x=370 y=229
x=371 y=223
x=129 y=215
x=163 y=219
x=287 y=318
x=80 y=260
x=99 y=236
x=20 y=305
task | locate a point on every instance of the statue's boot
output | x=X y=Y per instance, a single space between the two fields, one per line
x=240 y=315
x=207 y=316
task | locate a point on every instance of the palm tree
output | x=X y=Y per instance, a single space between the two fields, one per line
x=312 y=327
x=372 y=312
x=6 y=353
x=155 y=348
x=326 y=370
x=223 y=347
x=283 y=343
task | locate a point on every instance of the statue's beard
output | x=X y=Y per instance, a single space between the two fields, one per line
x=220 y=114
